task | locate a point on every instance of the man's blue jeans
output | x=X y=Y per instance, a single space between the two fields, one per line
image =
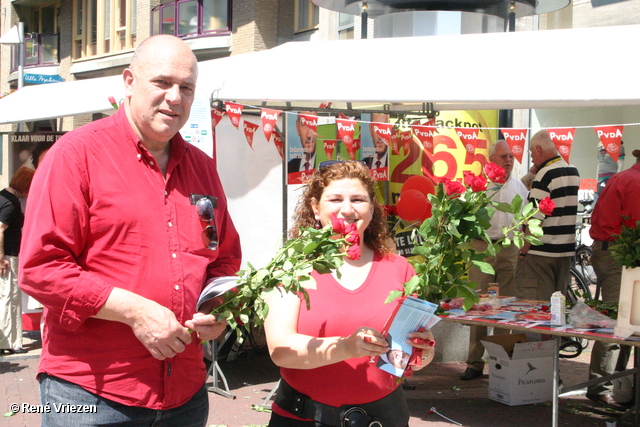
x=59 y=395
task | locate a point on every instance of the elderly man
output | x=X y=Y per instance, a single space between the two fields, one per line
x=116 y=251
x=505 y=261
x=544 y=269
x=618 y=199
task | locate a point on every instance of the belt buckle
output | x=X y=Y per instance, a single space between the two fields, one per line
x=357 y=417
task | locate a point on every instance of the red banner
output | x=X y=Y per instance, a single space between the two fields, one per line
x=395 y=143
x=425 y=134
x=329 y=147
x=515 y=139
x=277 y=140
x=611 y=138
x=346 y=130
x=249 y=131
x=384 y=131
x=469 y=138
x=563 y=138
x=310 y=122
x=406 y=139
x=216 y=116
x=235 y=113
x=269 y=118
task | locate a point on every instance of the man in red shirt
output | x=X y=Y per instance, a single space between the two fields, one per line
x=619 y=198
x=116 y=251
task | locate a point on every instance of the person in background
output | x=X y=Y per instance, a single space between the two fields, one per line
x=544 y=269
x=505 y=261
x=11 y=221
x=607 y=167
x=39 y=152
x=618 y=199
x=325 y=352
x=380 y=159
x=117 y=252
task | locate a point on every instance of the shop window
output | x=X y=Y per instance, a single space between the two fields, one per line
x=102 y=27
x=189 y=18
x=345 y=26
x=307 y=16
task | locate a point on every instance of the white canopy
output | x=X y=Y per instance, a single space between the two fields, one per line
x=590 y=67
x=49 y=101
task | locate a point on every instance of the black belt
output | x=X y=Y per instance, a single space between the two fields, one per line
x=390 y=411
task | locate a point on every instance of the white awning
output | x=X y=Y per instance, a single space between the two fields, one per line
x=588 y=67
x=49 y=101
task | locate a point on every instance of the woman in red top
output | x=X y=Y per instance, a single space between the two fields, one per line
x=326 y=353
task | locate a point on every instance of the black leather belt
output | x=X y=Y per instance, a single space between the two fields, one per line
x=386 y=412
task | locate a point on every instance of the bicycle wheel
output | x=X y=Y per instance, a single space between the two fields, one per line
x=583 y=264
x=577 y=288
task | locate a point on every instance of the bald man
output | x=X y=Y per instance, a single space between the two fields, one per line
x=116 y=251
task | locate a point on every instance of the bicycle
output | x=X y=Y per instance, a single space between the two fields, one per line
x=577 y=289
x=583 y=255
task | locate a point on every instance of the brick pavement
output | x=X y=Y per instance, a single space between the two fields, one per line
x=251 y=379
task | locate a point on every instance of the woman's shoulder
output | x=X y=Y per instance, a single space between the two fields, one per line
x=394 y=259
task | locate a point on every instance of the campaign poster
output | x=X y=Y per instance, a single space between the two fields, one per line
x=374 y=142
x=313 y=139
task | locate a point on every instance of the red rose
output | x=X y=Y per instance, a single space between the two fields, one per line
x=546 y=206
x=354 y=252
x=478 y=183
x=495 y=173
x=338 y=224
x=453 y=188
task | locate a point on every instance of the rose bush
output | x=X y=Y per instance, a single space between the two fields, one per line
x=461 y=213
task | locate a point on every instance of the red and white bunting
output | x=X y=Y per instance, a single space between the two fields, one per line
x=277 y=140
x=329 y=147
x=425 y=134
x=515 y=139
x=469 y=138
x=356 y=144
x=346 y=129
x=384 y=131
x=611 y=138
x=563 y=138
x=310 y=122
x=249 y=131
x=216 y=116
x=395 y=142
x=405 y=140
x=269 y=118
x=235 y=113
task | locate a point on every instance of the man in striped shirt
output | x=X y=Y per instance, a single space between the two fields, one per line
x=544 y=269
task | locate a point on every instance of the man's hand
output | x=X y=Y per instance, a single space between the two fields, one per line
x=5 y=267
x=153 y=324
x=159 y=331
x=206 y=326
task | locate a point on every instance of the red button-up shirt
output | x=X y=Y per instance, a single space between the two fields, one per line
x=99 y=216
x=620 y=196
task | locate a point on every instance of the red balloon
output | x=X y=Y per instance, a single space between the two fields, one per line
x=412 y=205
x=420 y=183
x=427 y=213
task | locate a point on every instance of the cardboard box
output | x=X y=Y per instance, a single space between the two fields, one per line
x=520 y=372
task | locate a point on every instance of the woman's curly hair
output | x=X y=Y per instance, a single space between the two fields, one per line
x=376 y=236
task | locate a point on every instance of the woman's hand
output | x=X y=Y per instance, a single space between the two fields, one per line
x=366 y=342
x=424 y=341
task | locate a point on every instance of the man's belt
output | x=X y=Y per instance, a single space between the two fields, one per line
x=362 y=415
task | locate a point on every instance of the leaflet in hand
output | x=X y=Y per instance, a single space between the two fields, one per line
x=217 y=287
x=411 y=315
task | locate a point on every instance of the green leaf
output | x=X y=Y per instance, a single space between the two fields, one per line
x=392 y=296
x=484 y=267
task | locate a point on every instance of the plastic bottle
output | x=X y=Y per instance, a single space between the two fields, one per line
x=494 y=294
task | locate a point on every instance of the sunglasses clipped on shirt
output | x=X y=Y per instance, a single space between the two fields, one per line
x=204 y=208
